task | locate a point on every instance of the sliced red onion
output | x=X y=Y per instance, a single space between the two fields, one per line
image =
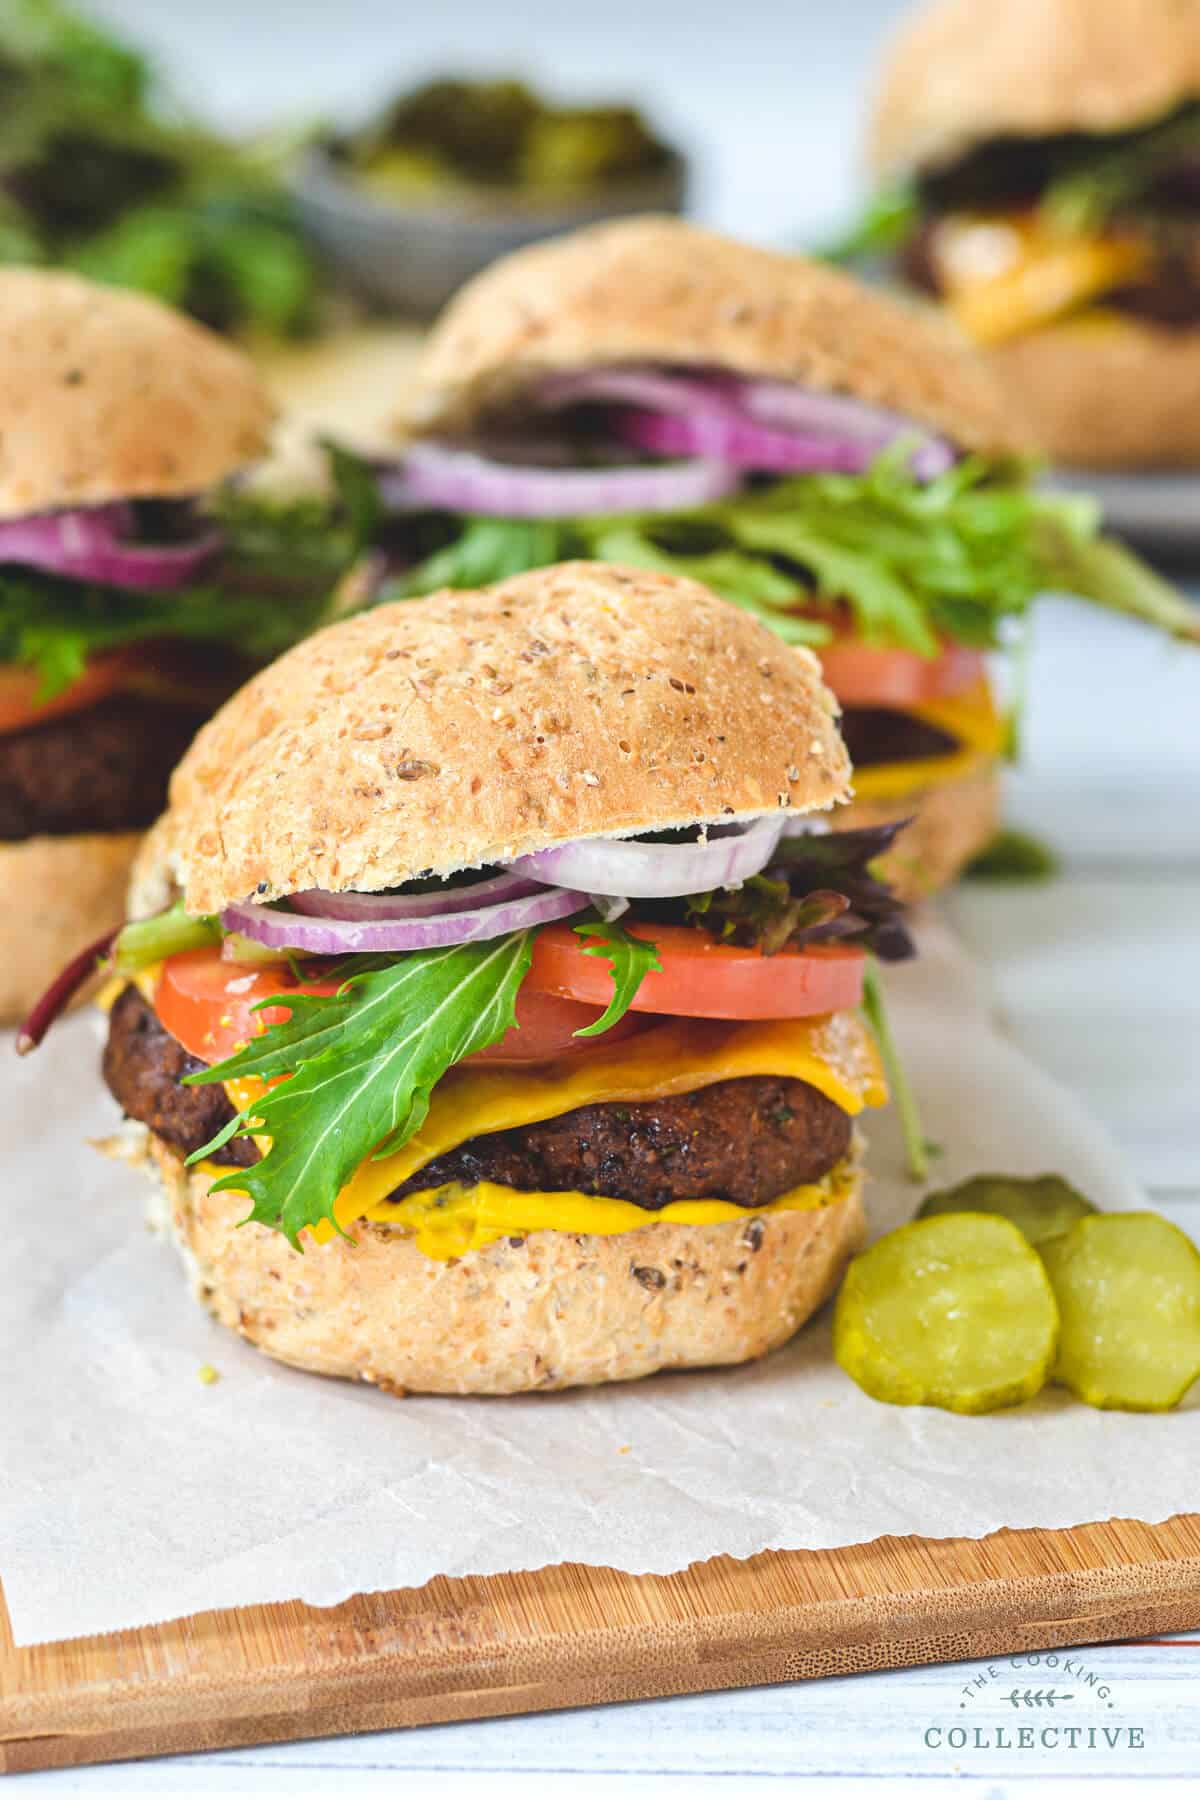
x=732 y=438
x=328 y=936
x=609 y=906
x=459 y=480
x=364 y=908
x=88 y=544
x=639 y=871
x=784 y=403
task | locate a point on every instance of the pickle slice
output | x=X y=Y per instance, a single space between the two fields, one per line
x=1128 y=1290
x=1041 y=1206
x=954 y=1311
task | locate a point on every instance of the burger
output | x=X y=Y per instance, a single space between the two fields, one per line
x=133 y=598
x=841 y=467
x=491 y=1017
x=1039 y=174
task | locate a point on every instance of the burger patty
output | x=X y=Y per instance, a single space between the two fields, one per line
x=144 y=1067
x=105 y=769
x=873 y=734
x=1168 y=294
x=746 y=1141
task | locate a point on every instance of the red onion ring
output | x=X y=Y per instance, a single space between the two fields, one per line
x=640 y=871
x=782 y=403
x=363 y=908
x=327 y=936
x=732 y=438
x=460 y=481
x=87 y=544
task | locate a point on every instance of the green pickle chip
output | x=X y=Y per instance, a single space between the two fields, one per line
x=1041 y=1206
x=953 y=1311
x=1128 y=1290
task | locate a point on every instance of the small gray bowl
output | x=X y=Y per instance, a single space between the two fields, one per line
x=410 y=257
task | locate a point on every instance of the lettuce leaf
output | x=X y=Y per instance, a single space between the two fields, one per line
x=955 y=557
x=360 y=1067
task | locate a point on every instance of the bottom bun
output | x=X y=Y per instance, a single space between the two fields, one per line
x=56 y=895
x=1107 y=393
x=551 y=1310
x=951 y=821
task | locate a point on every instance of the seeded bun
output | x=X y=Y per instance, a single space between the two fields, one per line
x=63 y=892
x=1108 y=393
x=949 y=823
x=961 y=72
x=106 y=395
x=552 y=1310
x=468 y=728
x=662 y=291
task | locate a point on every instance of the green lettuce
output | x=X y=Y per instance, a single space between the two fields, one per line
x=914 y=562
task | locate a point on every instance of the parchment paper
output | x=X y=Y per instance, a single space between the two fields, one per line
x=131 y=1492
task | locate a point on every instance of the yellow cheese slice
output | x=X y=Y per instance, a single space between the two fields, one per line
x=450 y=1221
x=1004 y=274
x=971 y=717
x=835 y=1054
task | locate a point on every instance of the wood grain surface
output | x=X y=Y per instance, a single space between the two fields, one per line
x=573 y=1636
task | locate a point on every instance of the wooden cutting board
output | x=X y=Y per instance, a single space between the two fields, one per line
x=573 y=1636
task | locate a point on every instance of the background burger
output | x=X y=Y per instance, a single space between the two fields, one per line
x=133 y=598
x=650 y=393
x=1041 y=162
x=562 y=990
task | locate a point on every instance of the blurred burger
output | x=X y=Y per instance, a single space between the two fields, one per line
x=133 y=596
x=826 y=458
x=487 y=954
x=1042 y=171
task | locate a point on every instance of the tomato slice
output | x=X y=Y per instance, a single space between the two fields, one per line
x=21 y=708
x=207 y=1004
x=546 y=1027
x=703 y=979
x=868 y=675
x=197 y=675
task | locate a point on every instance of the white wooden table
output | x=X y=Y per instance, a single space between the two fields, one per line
x=1097 y=975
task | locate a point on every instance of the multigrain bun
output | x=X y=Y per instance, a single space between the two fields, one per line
x=962 y=72
x=949 y=823
x=1112 y=392
x=552 y=1310
x=469 y=728
x=107 y=395
x=56 y=895
x=662 y=291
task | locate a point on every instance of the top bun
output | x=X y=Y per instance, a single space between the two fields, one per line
x=962 y=72
x=660 y=290
x=469 y=728
x=107 y=395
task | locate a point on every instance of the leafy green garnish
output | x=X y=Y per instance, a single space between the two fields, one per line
x=875 y=1013
x=360 y=1067
x=914 y=562
x=147 y=941
x=1093 y=178
x=1013 y=856
x=888 y=217
x=270 y=587
x=630 y=958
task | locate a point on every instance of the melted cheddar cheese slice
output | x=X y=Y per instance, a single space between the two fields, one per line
x=971 y=717
x=1003 y=274
x=835 y=1054
x=450 y=1221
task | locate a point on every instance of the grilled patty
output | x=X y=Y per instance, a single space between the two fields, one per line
x=747 y=1141
x=874 y=734
x=105 y=769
